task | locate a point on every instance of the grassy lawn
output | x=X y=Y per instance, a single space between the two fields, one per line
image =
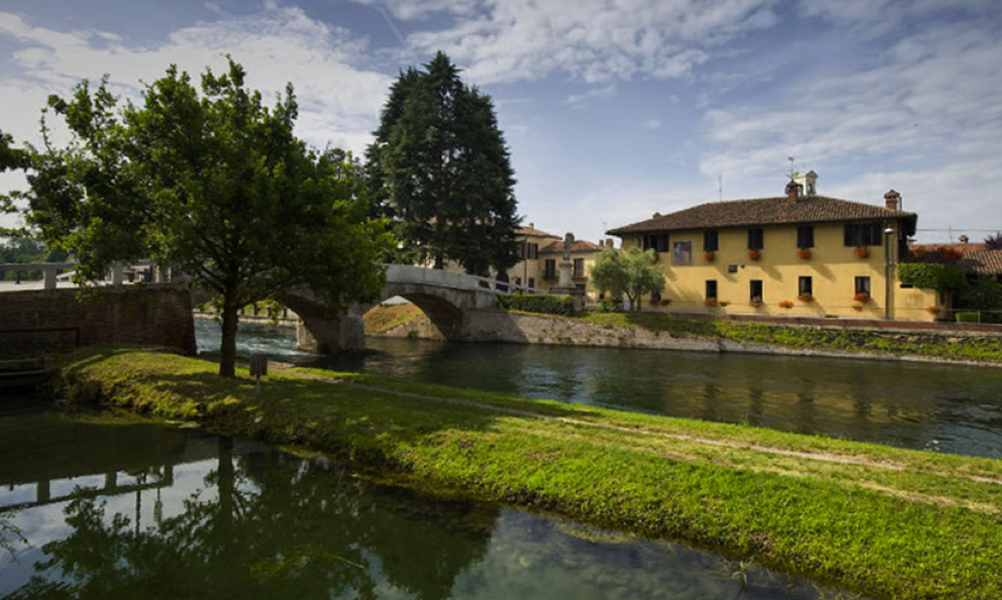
x=881 y=521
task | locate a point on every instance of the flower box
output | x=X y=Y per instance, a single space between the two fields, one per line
x=804 y=253
x=709 y=256
x=755 y=303
x=863 y=251
x=786 y=304
x=711 y=302
x=862 y=297
x=805 y=298
x=754 y=254
x=934 y=310
x=723 y=303
x=857 y=307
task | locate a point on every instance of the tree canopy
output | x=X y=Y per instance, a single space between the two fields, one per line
x=632 y=273
x=213 y=184
x=440 y=168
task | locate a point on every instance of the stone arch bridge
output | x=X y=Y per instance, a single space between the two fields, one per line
x=442 y=295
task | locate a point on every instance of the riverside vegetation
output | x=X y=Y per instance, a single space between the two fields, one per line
x=881 y=521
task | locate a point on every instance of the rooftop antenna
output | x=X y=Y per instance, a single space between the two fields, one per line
x=790 y=158
x=720 y=187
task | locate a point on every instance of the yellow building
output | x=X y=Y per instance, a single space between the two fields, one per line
x=583 y=256
x=800 y=254
x=528 y=270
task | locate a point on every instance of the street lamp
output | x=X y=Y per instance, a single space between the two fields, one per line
x=887 y=272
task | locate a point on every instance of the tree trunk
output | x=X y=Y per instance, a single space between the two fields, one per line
x=228 y=348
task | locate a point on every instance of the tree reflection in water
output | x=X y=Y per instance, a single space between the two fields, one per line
x=266 y=524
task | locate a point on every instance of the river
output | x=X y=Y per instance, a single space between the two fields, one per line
x=937 y=407
x=95 y=507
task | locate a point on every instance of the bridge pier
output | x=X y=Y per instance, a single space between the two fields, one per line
x=328 y=335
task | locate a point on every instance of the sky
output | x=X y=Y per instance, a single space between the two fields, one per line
x=612 y=109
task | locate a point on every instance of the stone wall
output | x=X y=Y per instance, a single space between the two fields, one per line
x=148 y=314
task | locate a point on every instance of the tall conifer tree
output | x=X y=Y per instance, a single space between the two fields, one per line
x=440 y=167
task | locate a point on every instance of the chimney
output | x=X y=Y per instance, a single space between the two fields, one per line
x=601 y=243
x=892 y=199
x=532 y=225
x=964 y=239
x=608 y=242
x=792 y=191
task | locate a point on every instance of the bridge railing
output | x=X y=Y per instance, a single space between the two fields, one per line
x=56 y=273
x=453 y=279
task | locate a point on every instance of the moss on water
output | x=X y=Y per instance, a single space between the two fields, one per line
x=881 y=521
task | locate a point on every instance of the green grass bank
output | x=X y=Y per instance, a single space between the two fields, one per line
x=881 y=521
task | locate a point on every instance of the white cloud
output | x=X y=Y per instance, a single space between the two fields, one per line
x=594 y=40
x=339 y=98
x=582 y=100
x=651 y=124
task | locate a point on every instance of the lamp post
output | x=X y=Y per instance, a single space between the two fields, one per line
x=887 y=272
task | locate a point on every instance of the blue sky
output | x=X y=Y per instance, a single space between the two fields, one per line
x=613 y=109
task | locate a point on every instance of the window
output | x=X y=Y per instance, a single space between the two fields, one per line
x=532 y=283
x=756 y=290
x=518 y=282
x=711 y=241
x=681 y=254
x=579 y=268
x=530 y=250
x=867 y=234
x=657 y=242
x=863 y=285
x=711 y=289
x=756 y=239
x=805 y=237
x=580 y=287
x=550 y=269
x=805 y=286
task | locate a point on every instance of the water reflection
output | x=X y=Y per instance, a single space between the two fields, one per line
x=925 y=406
x=211 y=517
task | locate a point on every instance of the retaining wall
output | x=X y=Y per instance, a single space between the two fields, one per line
x=158 y=314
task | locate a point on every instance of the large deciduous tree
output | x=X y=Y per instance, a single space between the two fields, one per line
x=440 y=168
x=214 y=184
x=632 y=273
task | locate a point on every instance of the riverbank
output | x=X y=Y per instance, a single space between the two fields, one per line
x=662 y=331
x=881 y=521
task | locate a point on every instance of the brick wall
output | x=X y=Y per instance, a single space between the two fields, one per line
x=148 y=314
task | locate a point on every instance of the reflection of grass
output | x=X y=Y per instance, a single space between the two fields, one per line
x=385 y=317
x=879 y=520
x=974 y=348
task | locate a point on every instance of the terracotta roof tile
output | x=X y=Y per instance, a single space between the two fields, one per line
x=530 y=231
x=983 y=262
x=763 y=211
x=577 y=246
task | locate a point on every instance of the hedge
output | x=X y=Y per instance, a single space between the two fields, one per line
x=546 y=304
x=933 y=276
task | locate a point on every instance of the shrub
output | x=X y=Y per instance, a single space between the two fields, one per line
x=605 y=306
x=546 y=304
x=969 y=316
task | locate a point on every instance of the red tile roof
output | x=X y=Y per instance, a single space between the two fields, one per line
x=982 y=262
x=577 y=246
x=531 y=231
x=765 y=211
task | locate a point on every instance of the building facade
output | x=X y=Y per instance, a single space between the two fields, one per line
x=800 y=254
